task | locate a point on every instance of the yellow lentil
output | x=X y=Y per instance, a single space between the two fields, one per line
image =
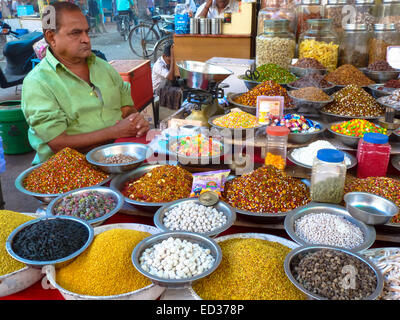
x=9 y=220
x=251 y=269
x=105 y=268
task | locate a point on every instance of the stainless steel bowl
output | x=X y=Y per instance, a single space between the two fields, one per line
x=301 y=72
x=370 y=208
x=396 y=162
x=46 y=198
x=140 y=151
x=378 y=93
x=203 y=241
x=211 y=122
x=353 y=160
x=200 y=75
x=114 y=194
x=303 y=103
x=381 y=76
x=292 y=259
x=290 y=220
x=57 y=262
x=386 y=105
x=331 y=117
x=250 y=84
x=345 y=139
x=118 y=181
x=302 y=138
x=221 y=206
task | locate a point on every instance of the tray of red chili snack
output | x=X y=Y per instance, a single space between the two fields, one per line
x=266 y=194
x=65 y=171
x=150 y=187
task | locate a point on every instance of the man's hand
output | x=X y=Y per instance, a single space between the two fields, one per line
x=132 y=126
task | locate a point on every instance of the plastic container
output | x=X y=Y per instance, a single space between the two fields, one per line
x=2 y=160
x=384 y=35
x=389 y=12
x=320 y=42
x=333 y=10
x=354 y=45
x=276 y=146
x=306 y=10
x=182 y=19
x=328 y=176
x=373 y=155
x=25 y=10
x=276 y=44
x=366 y=13
x=277 y=10
x=13 y=128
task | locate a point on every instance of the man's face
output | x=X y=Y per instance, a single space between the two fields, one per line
x=222 y=3
x=72 y=40
x=167 y=59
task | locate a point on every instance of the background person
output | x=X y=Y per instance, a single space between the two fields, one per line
x=216 y=8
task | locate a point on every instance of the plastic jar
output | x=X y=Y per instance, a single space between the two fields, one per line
x=354 y=45
x=366 y=13
x=389 y=12
x=333 y=10
x=277 y=10
x=384 y=35
x=328 y=176
x=373 y=155
x=276 y=146
x=276 y=44
x=306 y=10
x=320 y=42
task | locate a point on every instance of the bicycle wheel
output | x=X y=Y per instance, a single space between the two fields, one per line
x=159 y=49
x=142 y=40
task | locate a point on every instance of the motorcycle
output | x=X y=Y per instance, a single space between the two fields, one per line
x=123 y=24
x=18 y=55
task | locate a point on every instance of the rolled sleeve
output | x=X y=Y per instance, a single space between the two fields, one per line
x=42 y=111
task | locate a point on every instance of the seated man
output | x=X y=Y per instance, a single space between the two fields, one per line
x=216 y=8
x=163 y=69
x=72 y=98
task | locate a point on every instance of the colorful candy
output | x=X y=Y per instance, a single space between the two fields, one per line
x=275 y=160
x=296 y=123
x=237 y=120
x=357 y=128
x=197 y=146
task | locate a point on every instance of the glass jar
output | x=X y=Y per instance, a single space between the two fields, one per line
x=276 y=146
x=306 y=10
x=384 y=35
x=366 y=13
x=333 y=10
x=320 y=42
x=373 y=155
x=328 y=176
x=354 y=45
x=277 y=10
x=389 y=12
x=276 y=44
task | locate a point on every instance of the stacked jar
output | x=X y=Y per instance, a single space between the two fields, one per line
x=390 y=13
x=384 y=35
x=276 y=44
x=334 y=11
x=328 y=176
x=354 y=45
x=277 y=10
x=366 y=13
x=277 y=138
x=306 y=10
x=321 y=43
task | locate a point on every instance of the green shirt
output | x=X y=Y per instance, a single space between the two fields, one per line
x=55 y=100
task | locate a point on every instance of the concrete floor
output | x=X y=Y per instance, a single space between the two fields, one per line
x=115 y=48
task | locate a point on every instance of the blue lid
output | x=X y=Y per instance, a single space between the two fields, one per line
x=373 y=137
x=330 y=155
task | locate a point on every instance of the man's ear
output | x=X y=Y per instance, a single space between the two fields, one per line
x=49 y=36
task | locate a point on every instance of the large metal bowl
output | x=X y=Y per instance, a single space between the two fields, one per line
x=200 y=75
x=378 y=93
x=20 y=279
x=57 y=262
x=250 y=84
x=118 y=182
x=203 y=241
x=303 y=103
x=302 y=138
x=150 y=292
x=114 y=194
x=46 y=198
x=332 y=117
x=370 y=208
x=290 y=220
x=211 y=122
x=353 y=160
x=221 y=206
x=386 y=105
x=380 y=76
x=140 y=151
x=301 y=72
x=292 y=259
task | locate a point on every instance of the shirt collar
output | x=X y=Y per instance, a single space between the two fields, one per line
x=52 y=60
x=228 y=6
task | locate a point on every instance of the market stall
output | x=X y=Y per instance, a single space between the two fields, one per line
x=301 y=166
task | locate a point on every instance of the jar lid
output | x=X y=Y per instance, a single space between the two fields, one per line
x=330 y=155
x=365 y=2
x=277 y=131
x=208 y=198
x=373 y=137
x=310 y=1
x=337 y=1
x=390 y=1
x=382 y=26
x=355 y=27
x=319 y=21
x=270 y=22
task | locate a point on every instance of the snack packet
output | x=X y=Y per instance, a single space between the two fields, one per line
x=209 y=181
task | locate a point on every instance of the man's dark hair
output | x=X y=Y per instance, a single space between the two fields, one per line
x=167 y=49
x=60 y=8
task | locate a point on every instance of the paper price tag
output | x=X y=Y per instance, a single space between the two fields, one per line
x=269 y=106
x=393 y=56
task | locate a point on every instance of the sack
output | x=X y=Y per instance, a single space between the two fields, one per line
x=40 y=48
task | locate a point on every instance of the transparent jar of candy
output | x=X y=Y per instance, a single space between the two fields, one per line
x=389 y=12
x=306 y=10
x=384 y=35
x=334 y=11
x=276 y=149
x=366 y=13
x=328 y=176
x=277 y=10
x=354 y=45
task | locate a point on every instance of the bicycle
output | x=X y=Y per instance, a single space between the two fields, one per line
x=144 y=38
x=123 y=24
